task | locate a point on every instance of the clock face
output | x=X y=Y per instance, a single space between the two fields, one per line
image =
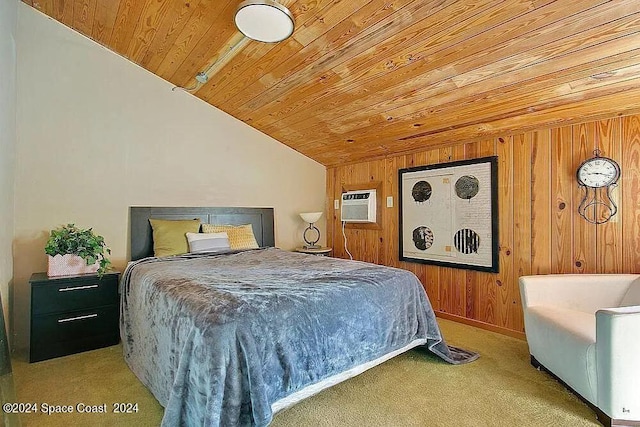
x=598 y=172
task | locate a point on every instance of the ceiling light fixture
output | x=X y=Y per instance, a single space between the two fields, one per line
x=264 y=20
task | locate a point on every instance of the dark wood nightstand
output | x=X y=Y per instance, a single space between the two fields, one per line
x=70 y=314
x=315 y=251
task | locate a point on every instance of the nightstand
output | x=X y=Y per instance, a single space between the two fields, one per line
x=315 y=251
x=70 y=314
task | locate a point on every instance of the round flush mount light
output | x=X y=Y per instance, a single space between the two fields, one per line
x=264 y=20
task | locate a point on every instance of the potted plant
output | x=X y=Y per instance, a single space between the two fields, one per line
x=73 y=250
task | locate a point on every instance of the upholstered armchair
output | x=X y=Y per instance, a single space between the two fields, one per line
x=585 y=330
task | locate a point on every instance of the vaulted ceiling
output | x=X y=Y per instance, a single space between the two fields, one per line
x=365 y=78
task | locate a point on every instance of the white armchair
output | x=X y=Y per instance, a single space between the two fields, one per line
x=585 y=330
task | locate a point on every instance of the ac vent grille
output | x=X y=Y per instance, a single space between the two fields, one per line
x=358 y=206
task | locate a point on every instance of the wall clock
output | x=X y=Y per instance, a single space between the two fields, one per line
x=598 y=176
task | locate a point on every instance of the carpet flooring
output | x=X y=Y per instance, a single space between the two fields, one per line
x=501 y=388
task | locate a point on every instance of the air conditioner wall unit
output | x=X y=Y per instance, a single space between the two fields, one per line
x=358 y=206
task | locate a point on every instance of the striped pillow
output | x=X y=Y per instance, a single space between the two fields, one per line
x=240 y=236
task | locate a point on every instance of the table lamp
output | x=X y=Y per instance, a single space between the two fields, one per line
x=311 y=218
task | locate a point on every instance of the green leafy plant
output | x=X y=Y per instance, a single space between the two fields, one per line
x=69 y=239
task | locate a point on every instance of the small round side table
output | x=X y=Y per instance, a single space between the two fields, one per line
x=323 y=251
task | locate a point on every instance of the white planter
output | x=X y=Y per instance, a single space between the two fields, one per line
x=68 y=265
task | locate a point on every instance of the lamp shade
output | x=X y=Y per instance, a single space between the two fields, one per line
x=310 y=217
x=264 y=20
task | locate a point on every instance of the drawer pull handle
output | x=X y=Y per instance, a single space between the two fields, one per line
x=72 y=319
x=77 y=288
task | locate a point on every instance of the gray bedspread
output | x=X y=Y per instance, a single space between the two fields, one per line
x=219 y=338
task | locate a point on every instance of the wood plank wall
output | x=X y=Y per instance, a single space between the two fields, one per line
x=540 y=229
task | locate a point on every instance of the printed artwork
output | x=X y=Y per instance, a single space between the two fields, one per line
x=448 y=214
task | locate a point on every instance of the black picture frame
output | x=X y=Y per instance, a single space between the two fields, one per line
x=449 y=215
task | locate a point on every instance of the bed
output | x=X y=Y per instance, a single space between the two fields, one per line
x=231 y=338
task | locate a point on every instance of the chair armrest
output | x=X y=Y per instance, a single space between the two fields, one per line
x=583 y=292
x=617 y=350
x=615 y=311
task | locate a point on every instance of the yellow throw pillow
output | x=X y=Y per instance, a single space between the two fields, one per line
x=240 y=236
x=170 y=236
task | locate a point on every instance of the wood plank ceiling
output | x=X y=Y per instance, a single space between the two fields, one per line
x=361 y=79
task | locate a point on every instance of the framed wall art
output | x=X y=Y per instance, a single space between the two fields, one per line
x=449 y=214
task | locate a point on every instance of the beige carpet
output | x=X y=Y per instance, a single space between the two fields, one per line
x=415 y=389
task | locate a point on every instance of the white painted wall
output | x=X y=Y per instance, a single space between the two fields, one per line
x=8 y=20
x=97 y=134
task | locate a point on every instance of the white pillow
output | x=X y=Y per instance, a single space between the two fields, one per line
x=208 y=242
x=632 y=297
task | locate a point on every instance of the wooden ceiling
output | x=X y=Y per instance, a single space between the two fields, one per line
x=360 y=79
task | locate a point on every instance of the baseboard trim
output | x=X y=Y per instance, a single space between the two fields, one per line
x=482 y=325
x=603 y=418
